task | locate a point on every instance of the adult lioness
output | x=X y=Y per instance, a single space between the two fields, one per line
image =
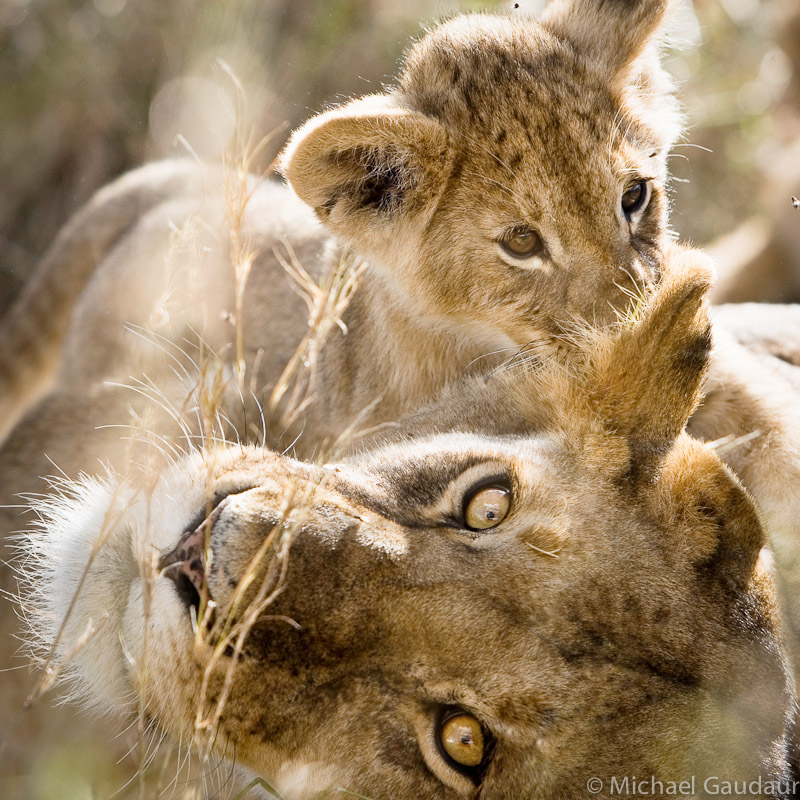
x=573 y=605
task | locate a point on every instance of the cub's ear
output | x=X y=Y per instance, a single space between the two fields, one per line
x=367 y=163
x=645 y=379
x=620 y=36
x=611 y=32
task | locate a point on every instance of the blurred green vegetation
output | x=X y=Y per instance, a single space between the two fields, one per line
x=738 y=87
x=78 y=80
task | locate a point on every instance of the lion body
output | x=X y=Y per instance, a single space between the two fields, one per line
x=615 y=620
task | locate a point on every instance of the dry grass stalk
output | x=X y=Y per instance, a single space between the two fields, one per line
x=201 y=421
x=326 y=302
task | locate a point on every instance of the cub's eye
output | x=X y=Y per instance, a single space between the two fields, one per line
x=463 y=743
x=487 y=505
x=634 y=197
x=522 y=241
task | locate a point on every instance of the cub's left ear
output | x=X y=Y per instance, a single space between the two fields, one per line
x=368 y=163
x=613 y=33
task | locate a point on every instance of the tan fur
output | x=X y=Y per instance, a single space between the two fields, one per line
x=616 y=623
x=173 y=317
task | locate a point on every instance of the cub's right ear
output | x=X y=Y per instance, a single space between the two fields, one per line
x=368 y=163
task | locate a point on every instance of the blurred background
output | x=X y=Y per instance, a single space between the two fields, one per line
x=90 y=88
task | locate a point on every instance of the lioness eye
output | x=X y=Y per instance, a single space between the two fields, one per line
x=522 y=242
x=486 y=507
x=461 y=739
x=634 y=197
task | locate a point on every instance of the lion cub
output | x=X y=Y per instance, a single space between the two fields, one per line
x=509 y=188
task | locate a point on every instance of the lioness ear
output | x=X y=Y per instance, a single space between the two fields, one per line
x=366 y=163
x=611 y=32
x=708 y=512
x=645 y=380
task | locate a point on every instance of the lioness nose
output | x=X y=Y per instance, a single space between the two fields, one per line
x=269 y=536
x=185 y=564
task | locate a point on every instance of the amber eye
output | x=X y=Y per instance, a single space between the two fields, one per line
x=522 y=241
x=461 y=740
x=486 y=506
x=634 y=197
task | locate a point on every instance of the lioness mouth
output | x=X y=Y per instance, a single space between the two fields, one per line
x=185 y=564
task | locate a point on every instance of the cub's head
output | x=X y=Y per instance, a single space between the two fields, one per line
x=513 y=182
x=452 y=614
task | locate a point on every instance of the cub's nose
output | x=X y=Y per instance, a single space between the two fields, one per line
x=646 y=268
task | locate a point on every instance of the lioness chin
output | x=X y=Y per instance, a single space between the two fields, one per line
x=456 y=613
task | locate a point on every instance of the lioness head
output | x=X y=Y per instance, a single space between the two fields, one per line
x=452 y=614
x=514 y=179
